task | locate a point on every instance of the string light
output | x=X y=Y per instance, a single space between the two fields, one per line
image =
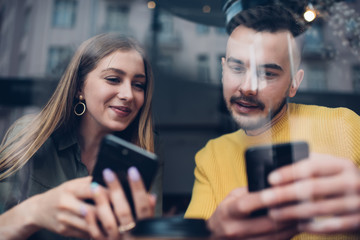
x=206 y=9
x=151 y=4
x=310 y=13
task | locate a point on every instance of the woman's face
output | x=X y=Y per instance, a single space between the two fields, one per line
x=114 y=92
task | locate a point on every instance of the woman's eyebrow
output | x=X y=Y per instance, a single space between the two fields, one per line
x=119 y=71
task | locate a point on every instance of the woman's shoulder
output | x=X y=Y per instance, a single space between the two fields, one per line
x=19 y=125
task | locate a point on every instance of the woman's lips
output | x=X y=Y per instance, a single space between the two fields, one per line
x=121 y=110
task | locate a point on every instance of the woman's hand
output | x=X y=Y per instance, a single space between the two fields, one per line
x=112 y=208
x=62 y=209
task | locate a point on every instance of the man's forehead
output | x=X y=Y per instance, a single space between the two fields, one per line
x=243 y=40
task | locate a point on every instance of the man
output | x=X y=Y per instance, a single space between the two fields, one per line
x=316 y=198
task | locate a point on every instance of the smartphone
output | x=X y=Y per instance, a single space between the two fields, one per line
x=119 y=155
x=262 y=160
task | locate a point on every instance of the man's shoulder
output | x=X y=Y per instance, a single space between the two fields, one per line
x=316 y=110
x=223 y=143
x=228 y=138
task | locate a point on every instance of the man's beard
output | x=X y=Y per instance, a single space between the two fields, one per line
x=256 y=122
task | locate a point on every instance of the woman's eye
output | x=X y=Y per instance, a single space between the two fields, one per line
x=113 y=79
x=139 y=86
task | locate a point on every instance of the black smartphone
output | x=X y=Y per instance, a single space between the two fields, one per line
x=119 y=155
x=261 y=160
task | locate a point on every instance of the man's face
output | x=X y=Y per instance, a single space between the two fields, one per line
x=257 y=76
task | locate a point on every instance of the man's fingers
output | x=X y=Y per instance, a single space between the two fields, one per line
x=336 y=224
x=284 y=234
x=322 y=207
x=242 y=204
x=311 y=167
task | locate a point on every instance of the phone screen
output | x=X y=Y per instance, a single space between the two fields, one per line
x=119 y=155
x=262 y=160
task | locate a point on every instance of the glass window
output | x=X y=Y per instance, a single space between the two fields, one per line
x=316 y=77
x=165 y=64
x=117 y=18
x=221 y=30
x=219 y=68
x=27 y=20
x=356 y=78
x=166 y=22
x=313 y=40
x=64 y=14
x=58 y=59
x=2 y=14
x=203 y=68
x=202 y=29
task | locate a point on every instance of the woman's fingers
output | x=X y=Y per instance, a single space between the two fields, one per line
x=113 y=209
x=142 y=204
x=93 y=226
x=119 y=201
x=104 y=211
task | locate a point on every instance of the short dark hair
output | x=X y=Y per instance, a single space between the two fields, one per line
x=270 y=18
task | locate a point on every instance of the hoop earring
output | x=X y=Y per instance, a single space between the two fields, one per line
x=83 y=106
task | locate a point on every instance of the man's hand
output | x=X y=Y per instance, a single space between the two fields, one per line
x=231 y=219
x=325 y=190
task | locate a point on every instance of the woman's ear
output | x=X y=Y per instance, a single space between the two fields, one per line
x=79 y=93
x=296 y=83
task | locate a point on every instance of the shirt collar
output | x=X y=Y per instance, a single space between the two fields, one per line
x=65 y=139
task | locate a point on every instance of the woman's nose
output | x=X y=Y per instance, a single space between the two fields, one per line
x=125 y=91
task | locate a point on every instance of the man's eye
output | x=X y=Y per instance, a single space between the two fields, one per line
x=237 y=69
x=267 y=74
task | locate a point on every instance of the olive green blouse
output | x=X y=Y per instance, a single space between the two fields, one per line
x=57 y=161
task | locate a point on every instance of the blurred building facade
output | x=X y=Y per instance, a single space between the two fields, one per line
x=37 y=37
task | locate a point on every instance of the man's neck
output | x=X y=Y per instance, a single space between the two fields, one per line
x=269 y=124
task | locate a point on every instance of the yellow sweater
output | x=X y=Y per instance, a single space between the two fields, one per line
x=220 y=164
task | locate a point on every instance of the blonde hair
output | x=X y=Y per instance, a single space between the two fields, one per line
x=16 y=150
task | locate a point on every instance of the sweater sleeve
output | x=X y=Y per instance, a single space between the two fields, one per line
x=203 y=202
x=352 y=134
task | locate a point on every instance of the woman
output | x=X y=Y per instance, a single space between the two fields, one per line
x=45 y=160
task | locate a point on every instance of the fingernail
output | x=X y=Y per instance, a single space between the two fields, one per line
x=274 y=178
x=154 y=196
x=320 y=225
x=275 y=214
x=267 y=196
x=108 y=175
x=94 y=186
x=134 y=174
x=83 y=211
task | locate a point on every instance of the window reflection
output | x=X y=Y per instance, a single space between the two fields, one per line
x=64 y=14
x=186 y=55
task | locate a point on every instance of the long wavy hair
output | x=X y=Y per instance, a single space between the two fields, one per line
x=16 y=149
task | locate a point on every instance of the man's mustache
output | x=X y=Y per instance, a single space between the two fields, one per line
x=252 y=100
